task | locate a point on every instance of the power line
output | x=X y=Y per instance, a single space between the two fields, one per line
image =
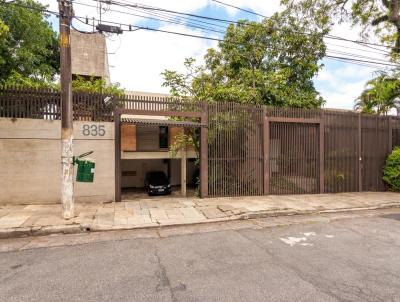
x=221 y=40
x=156 y=19
x=185 y=18
x=239 y=8
x=170 y=20
x=381 y=52
x=327 y=36
x=135 y=5
x=347 y=59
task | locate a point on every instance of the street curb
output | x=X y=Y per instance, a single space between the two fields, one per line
x=35 y=231
x=40 y=231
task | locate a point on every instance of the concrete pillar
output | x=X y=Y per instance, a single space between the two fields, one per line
x=183 y=171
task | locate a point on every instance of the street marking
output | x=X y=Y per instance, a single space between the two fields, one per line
x=293 y=240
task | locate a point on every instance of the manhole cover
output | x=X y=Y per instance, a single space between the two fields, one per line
x=392 y=216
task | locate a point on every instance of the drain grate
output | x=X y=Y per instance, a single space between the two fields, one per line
x=392 y=216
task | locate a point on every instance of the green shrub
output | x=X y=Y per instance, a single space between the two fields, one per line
x=391 y=171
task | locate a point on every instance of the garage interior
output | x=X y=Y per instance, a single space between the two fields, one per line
x=145 y=146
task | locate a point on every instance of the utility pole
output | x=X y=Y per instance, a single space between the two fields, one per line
x=67 y=167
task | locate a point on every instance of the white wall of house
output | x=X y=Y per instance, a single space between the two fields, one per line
x=30 y=163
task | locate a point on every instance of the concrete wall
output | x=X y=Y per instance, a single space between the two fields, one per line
x=30 y=164
x=89 y=55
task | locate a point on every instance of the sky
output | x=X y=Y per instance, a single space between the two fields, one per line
x=137 y=58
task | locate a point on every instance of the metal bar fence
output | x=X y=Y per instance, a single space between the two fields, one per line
x=18 y=102
x=307 y=150
x=235 y=160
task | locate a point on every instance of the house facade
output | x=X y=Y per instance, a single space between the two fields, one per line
x=244 y=149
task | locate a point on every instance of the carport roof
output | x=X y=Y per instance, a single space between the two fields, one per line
x=129 y=120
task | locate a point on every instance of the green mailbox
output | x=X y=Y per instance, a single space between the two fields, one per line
x=86 y=167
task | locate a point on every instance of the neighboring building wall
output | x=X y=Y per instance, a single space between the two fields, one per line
x=30 y=164
x=89 y=55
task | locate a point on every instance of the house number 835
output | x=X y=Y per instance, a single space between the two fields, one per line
x=93 y=130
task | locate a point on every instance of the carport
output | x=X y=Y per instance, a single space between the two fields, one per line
x=142 y=117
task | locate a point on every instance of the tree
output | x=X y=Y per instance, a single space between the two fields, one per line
x=380 y=95
x=269 y=63
x=380 y=17
x=28 y=45
x=96 y=85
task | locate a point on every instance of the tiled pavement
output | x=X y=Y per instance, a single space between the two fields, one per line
x=157 y=212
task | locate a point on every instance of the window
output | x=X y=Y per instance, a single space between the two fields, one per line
x=163 y=136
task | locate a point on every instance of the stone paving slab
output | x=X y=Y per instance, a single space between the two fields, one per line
x=16 y=221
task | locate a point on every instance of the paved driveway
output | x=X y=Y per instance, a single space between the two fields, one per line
x=355 y=259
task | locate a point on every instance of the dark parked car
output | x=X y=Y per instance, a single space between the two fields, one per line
x=157 y=183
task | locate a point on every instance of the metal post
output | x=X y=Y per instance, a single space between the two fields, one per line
x=118 y=174
x=322 y=153
x=360 y=180
x=204 y=154
x=266 y=152
x=183 y=171
x=67 y=168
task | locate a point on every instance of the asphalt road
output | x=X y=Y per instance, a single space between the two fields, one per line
x=353 y=259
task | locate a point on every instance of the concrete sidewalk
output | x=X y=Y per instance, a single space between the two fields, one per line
x=16 y=221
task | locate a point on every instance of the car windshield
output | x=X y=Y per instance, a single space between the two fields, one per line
x=158 y=178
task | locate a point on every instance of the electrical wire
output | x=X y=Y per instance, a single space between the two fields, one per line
x=327 y=36
x=347 y=59
x=128 y=4
x=221 y=40
x=239 y=8
x=156 y=19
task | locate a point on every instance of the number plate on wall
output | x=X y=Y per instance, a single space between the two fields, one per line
x=93 y=130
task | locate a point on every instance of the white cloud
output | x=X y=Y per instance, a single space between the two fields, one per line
x=144 y=55
x=341 y=86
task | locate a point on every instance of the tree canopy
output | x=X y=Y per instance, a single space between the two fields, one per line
x=271 y=63
x=380 y=95
x=28 y=44
x=377 y=18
